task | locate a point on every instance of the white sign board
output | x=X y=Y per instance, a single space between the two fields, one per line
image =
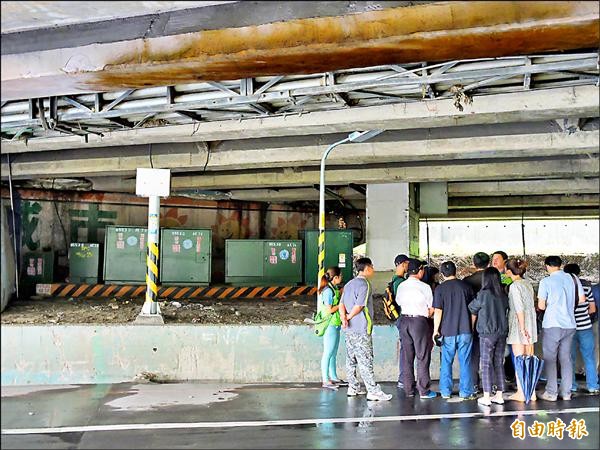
x=153 y=182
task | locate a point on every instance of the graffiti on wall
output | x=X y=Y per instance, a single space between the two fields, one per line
x=288 y=225
x=85 y=221
x=30 y=220
x=231 y=225
x=96 y=219
x=172 y=219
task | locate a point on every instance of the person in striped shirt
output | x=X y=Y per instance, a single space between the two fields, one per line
x=584 y=336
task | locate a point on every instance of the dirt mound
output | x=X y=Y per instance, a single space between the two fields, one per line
x=289 y=311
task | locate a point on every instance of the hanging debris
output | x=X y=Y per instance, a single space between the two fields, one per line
x=460 y=97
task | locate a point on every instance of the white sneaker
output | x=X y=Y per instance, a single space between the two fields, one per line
x=484 y=401
x=379 y=396
x=498 y=400
x=352 y=393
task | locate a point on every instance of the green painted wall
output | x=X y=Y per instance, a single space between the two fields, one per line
x=79 y=354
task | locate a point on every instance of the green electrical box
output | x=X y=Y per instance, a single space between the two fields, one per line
x=339 y=245
x=84 y=263
x=185 y=256
x=125 y=254
x=263 y=262
x=37 y=268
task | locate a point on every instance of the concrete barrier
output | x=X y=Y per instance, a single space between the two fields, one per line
x=81 y=354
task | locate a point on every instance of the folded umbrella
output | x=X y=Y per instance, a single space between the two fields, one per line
x=528 y=370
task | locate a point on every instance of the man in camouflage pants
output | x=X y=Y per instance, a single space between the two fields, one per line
x=356 y=308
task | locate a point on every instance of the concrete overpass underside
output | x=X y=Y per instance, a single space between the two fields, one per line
x=505 y=112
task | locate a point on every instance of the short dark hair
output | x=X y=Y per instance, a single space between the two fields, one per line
x=553 y=261
x=481 y=260
x=501 y=253
x=414 y=266
x=400 y=259
x=429 y=275
x=362 y=263
x=572 y=268
x=448 y=269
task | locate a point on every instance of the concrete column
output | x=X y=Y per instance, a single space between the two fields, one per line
x=392 y=227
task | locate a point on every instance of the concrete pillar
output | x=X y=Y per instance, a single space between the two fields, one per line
x=392 y=227
x=8 y=285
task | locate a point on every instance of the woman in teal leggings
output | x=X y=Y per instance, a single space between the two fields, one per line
x=329 y=299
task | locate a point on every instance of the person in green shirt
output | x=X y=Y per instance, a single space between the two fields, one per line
x=499 y=260
x=329 y=300
x=401 y=263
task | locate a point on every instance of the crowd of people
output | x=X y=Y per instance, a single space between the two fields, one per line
x=486 y=320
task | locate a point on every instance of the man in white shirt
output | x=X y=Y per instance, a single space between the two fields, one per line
x=416 y=302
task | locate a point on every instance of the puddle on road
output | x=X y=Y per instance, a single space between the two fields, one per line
x=145 y=397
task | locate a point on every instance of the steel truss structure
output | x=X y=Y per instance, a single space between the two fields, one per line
x=98 y=113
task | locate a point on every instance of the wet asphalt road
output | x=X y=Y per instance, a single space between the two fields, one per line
x=188 y=415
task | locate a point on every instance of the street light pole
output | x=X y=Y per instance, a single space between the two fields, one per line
x=357 y=136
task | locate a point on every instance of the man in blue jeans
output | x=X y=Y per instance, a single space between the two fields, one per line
x=556 y=296
x=584 y=336
x=452 y=322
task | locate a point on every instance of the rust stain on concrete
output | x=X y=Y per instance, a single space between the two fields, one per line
x=428 y=32
x=432 y=32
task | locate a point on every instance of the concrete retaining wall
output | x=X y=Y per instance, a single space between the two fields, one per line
x=79 y=354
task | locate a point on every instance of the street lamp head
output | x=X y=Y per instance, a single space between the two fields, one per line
x=362 y=136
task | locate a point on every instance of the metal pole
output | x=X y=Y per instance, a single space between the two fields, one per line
x=151 y=305
x=14 y=223
x=523 y=232
x=321 y=242
x=427 y=231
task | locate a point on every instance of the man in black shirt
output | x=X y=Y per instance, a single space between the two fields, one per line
x=481 y=261
x=452 y=322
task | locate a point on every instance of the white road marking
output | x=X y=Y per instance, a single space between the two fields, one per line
x=267 y=423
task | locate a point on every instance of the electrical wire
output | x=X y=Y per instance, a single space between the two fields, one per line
x=60 y=221
x=150 y=155
x=207 y=157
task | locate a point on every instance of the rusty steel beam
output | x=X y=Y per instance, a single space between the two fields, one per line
x=428 y=32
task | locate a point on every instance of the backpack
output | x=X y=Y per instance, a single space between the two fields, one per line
x=390 y=307
x=322 y=319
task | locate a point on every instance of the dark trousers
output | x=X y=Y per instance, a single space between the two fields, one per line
x=509 y=365
x=475 y=359
x=416 y=341
x=400 y=355
x=491 y=347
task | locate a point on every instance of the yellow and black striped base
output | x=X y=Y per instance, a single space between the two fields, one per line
x=172 y=292
x=152 y=272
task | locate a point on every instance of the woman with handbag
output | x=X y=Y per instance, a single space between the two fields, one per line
x=329 y=300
